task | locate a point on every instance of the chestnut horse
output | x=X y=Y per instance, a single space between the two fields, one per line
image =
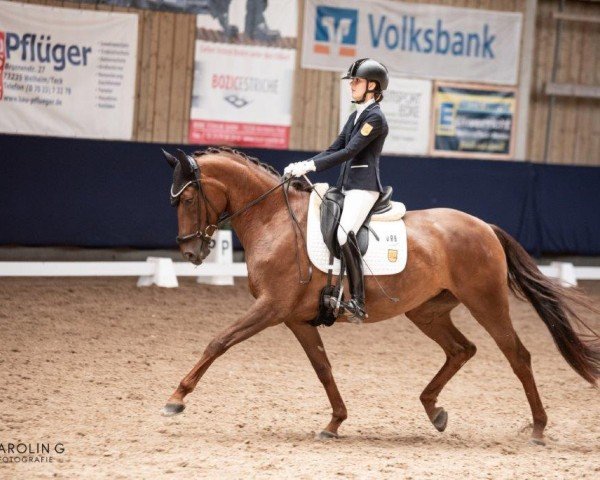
x=453 y=258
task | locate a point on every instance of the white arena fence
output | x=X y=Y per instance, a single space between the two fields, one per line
x=217 y=269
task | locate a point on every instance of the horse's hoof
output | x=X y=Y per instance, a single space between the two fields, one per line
x=326 y=435
x=441 y=420
x=537 y=441
x=171 y=409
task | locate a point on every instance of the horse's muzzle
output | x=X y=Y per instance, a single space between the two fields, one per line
x=192 y=257
x=195 y=257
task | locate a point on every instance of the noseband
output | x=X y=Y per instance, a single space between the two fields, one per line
x=203 y=236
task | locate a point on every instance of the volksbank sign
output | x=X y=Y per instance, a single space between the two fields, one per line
x=439 y=40
x=416 y=40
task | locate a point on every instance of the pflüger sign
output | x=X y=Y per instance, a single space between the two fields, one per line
x=68 y=73
x=417 y=40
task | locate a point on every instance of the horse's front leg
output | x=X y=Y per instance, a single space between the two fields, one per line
x=261 y=315
x=310 y=339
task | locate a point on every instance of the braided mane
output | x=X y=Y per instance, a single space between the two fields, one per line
x=298 y=184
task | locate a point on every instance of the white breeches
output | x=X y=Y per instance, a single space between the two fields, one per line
x=357 y=205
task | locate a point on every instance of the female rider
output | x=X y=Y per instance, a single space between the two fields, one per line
x=357 y=148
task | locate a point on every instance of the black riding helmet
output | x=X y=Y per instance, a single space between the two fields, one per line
x=372 y=71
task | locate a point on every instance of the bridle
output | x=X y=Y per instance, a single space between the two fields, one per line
x=206 y=236
x=211 y=228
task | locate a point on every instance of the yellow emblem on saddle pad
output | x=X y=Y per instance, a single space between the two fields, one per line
x=366 y=129
x=392 y=255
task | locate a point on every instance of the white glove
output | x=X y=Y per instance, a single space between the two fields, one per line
x=300 y=168
x=288 y=170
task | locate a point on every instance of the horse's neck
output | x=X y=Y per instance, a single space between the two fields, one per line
x=244 y=185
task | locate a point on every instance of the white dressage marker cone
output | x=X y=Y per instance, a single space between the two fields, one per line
x=164 y=274
x=565 y=273
x=222 y=254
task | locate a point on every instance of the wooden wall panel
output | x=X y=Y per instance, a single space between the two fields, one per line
x=584 y=107
x=574 y=129
x=162 y=92
x=147 y=94
x=542 y=58
x=178 y=73
x=143 y=67
x=186 y=93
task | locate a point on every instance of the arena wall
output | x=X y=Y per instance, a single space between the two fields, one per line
x=59 y=191
x=165 y=71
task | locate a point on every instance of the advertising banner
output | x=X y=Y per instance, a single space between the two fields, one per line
x=407 y=107
x=244 y=76
x=413 y=40
x=473 y=120
x=67 y=72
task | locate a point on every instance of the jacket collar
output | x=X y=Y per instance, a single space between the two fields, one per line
x=363 y=114
x=361 y=107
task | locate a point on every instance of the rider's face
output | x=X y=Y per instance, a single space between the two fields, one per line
x=358 y=86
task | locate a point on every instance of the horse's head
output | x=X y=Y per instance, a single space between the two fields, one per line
x=199 y=204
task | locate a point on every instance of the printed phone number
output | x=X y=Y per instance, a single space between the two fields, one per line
x=46 y=89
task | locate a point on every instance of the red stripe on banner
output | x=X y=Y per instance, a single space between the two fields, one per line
x=2 y=61
x=347 y=51
x=210 y=132
x=318 y=48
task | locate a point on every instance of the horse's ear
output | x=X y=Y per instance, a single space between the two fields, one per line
x=171 y=160
x=186 y=168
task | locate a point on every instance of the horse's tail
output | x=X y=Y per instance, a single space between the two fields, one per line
x=554 y=304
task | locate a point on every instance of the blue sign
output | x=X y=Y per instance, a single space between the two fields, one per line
x=338 y=25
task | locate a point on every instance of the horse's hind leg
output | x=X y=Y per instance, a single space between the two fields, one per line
x=433 y=318
x=489 y=305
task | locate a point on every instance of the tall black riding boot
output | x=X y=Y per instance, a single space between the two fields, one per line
x=353 y=261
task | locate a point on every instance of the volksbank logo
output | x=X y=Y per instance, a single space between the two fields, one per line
x=336 y=31
x=411 y=36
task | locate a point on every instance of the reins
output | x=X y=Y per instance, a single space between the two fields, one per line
x=254 y=202
x=297 y=228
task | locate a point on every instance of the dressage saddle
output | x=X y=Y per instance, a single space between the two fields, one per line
x=331 y=211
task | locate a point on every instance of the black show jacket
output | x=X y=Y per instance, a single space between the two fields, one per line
x=358 y=147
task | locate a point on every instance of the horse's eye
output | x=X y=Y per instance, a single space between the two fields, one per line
x=188 y=201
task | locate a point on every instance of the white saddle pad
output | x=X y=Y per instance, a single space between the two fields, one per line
x=384 y=257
